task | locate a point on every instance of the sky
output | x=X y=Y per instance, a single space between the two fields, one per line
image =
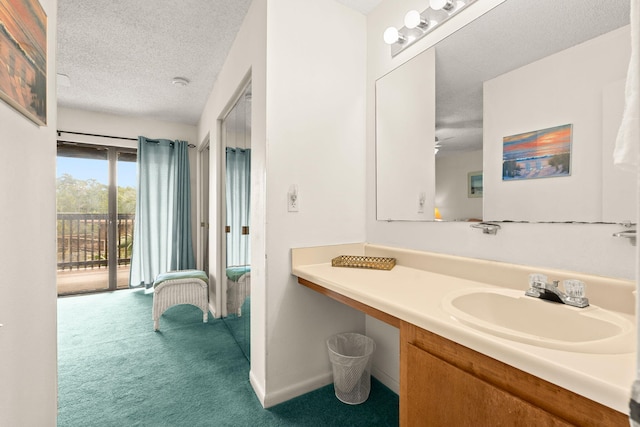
x=97 y=169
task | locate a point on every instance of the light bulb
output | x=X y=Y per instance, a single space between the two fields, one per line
x=391 y=35
x=441 y=4
x=413 y=19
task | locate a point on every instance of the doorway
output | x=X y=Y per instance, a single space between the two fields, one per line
x=96 y=197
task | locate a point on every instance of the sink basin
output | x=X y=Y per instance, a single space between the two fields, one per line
x=508 y=313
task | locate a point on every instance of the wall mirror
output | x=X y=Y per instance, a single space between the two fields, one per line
x=405 y=112
x=236 y=283
x=516 y=70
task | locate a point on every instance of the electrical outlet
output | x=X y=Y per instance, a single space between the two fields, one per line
x=292 y=199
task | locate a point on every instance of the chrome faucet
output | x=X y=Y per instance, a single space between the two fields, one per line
x=574 y=291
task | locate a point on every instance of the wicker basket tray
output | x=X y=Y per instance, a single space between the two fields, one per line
x=371 y=262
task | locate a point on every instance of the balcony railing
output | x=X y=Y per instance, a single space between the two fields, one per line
x=83 y=240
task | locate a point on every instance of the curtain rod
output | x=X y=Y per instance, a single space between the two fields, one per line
x=104 y=136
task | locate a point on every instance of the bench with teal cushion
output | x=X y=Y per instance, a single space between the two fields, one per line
x=184 y=274
x=180 y=287
x=235 y=273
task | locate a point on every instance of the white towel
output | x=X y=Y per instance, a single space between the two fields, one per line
x=627 y=156
x=627 y=149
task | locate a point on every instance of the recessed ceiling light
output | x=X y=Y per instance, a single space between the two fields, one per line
x=180 y=81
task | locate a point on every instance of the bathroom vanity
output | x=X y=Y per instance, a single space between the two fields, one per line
x=444 y=383
x=457 y=370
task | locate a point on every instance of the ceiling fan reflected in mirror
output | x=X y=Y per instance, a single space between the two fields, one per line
x=438 y=143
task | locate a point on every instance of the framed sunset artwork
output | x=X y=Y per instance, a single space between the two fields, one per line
x=23 y=58
x=544 y=153
x=474 y=184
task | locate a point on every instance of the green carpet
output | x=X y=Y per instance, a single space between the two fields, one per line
x=240 y=327
x=113 y=370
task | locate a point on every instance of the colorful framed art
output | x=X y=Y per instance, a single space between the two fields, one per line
x=23 y=58
x=544 y=153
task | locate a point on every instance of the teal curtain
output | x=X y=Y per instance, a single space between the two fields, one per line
x=238 y=195
x=162 y=234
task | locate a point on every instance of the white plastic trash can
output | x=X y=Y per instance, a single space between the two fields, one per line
x=351 y=355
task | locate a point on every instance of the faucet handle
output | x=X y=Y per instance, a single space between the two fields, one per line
x=536 y=280
x=574 y=288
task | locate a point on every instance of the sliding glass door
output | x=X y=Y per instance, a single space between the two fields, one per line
x=96 y=193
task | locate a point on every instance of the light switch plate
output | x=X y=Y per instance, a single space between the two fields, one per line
x=293 y=203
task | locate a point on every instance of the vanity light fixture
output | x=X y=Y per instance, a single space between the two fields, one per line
x=392 y=35
x=419 y=24
x=441 y=4
x=413 y=19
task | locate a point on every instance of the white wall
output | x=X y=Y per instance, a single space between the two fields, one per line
x=588 y=248
x=316 y=140
x=565 y=88
x=28 y=362
x=452 y=185
x=70 y=119
x=313 y=136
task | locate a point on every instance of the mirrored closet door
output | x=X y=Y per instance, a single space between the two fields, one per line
x=236 y=134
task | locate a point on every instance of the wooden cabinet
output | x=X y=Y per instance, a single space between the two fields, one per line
x=445 y=384
x=439 y=394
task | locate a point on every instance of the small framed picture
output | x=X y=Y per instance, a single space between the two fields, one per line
x=474 y=184
x=544 y=153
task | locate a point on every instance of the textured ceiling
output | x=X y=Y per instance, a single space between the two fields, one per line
x=120 y=56
x=510 y=36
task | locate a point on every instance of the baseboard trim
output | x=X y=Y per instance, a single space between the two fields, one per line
x=212 y=310
x=257 y=389
x=392 y=383
x=279 y=396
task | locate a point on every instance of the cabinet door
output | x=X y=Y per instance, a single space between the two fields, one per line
x=439 y=394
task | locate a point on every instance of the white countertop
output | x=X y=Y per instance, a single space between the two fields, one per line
x=415 y=296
